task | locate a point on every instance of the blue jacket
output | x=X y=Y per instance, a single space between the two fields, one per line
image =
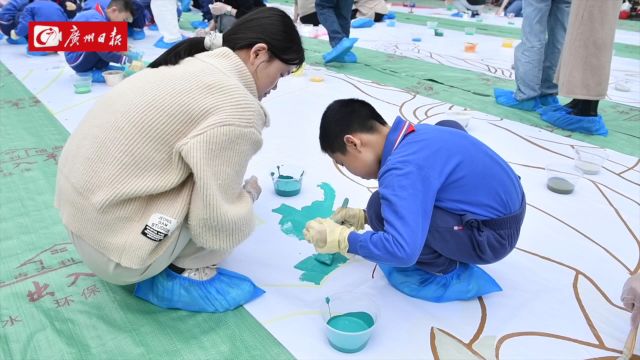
x=9 y=12
x=39 y=10
x=94 y=15
x=433 y=166
x=91 y=4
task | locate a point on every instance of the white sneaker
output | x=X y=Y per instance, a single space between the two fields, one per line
x=203 y=273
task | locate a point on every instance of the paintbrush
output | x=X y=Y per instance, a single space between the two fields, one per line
x=630 y=344
x=345 y=202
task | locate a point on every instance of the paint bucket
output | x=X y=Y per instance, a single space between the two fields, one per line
x=589 y=159
x=287 y=180
x=470 y=31
x=82 y=82
x=507 y=43
x=432 y=24
x=350 y=319
x=438 y=32
x=470 y=47
x=113 y=77
x=562 y=178
x=416 y=36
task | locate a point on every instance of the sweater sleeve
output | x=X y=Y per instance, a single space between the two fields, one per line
x=407 y=202
x=221 y=212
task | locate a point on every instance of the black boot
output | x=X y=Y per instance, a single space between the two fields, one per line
x=586 y=108
x=572 y=104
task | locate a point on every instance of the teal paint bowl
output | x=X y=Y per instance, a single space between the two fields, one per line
x=350 y=322
x=287 y=180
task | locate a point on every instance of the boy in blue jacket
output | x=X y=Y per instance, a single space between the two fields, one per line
x=10 y=18
x=445 y=202
x=135 y=27
x=97 y=62
x=38 y=10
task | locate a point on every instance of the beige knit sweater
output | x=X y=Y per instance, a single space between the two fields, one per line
x=164 y=146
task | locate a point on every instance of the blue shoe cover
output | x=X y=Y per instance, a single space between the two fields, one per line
x=136 y=34
x=39 y=53
x=344 y=46
x=360 y=23
x=548 y=100
x=390 y=15
x=199 y=24
x=96 y=75
x=457 y=14
x=21 y=41
x=225 y=291
x=553 y=108
x=507 y=98
x=348 y=58
x=464 y=283
x=165 y=45
x=562 y=118
x=153 y=27
x=185 y=5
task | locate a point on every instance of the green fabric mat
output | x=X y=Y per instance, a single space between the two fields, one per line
x=474 y=91
x=51 y=307
x=513 y=32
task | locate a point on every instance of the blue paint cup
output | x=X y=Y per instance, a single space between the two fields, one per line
x=287 y=180
x=349 y=321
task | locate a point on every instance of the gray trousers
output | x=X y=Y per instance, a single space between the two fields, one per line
x=185 y=254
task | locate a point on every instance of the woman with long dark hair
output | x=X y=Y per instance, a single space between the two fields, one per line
x=150 y=185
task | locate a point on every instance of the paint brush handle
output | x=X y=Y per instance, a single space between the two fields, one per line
x=345 y=202
x=630 y=344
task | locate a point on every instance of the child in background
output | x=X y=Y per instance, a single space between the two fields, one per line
x=38 y=10
x=371 y=9
x=97 y=62
x=135 y=27
x=446 y=202
x=510 y=8
x=10 y=17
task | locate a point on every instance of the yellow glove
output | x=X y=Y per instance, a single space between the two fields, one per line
x=70 y=6
x=327 y=237
x=13 y=35
x=349 y=217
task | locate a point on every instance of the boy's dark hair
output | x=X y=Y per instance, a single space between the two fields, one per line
x=344 y=117
x=122 y=6
x=268 y=25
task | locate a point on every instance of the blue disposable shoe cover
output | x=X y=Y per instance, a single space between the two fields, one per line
x=465 y=282
x=225 y=291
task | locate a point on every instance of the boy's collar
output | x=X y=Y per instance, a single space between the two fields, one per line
x=398 y=131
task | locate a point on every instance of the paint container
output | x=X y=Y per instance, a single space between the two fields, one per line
x=113 y=77
x=470 y=31
x=82 y=82
x=135 y=55
x=316 y=79
x=562 y=178
x=416 y=37
x=461 y=117
x=449 y=7
x=391 y=23
x=590 y=160
x=470 y=47
x=438 y=32
x=432 y=24
x=287 y=180
x=507 y=43
x=350 y=319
